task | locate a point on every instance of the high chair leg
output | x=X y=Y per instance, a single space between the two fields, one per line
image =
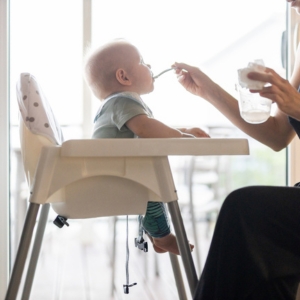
x=178 y=276
x=183 y=245
x=24 y=245
x=35 y=251
x=195 y=232
x=113 y=256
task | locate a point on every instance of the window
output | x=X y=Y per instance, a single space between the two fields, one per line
x=219 y=37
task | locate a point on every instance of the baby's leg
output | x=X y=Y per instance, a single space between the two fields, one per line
x=157 y=226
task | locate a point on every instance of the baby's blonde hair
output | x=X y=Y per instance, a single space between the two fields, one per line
x=101 y=64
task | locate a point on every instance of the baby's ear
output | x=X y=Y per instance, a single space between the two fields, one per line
x=122 y=77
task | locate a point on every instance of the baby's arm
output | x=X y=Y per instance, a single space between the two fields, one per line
x=197 y=132
x=145 y=127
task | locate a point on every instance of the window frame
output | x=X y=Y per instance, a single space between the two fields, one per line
x=4 y=149
x=293 y=158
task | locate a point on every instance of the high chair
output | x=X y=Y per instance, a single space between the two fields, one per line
x=96 y=178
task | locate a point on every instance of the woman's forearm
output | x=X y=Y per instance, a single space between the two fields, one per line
x=275 y=133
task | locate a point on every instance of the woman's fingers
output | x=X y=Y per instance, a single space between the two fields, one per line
x=180 y=66
x=269 y=76
x=184 y=67
x=283 y=94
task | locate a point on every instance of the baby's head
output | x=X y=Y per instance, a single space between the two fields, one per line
x=117 y=67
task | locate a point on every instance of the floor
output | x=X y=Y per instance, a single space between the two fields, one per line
x=75 y=263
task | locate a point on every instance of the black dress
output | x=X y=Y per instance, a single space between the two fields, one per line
x=255 y=250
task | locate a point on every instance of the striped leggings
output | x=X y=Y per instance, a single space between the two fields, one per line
x=156 y=222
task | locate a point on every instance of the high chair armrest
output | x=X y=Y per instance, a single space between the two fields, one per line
x=154 y=147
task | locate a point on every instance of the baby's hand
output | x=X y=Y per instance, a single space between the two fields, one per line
x=195 y=131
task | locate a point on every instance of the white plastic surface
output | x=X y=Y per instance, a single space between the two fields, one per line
x=31 y=146
x=38 y=125
x=85 y=187
x=245 y=82
x=121 y=179
x=154 y=147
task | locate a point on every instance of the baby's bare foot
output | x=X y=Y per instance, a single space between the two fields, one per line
x=156 y=249
x=167 y=244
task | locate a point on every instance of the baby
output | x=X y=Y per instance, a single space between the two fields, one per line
x=118 y=76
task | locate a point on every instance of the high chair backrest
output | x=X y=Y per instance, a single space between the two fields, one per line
x=38 y=125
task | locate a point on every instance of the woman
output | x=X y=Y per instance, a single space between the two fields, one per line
x=255 y=250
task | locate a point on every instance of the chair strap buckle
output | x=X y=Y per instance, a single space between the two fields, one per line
x=141 y=244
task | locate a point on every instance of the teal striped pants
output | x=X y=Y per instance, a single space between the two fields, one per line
x=156 y=222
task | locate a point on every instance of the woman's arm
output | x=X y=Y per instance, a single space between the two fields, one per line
x=276 y=133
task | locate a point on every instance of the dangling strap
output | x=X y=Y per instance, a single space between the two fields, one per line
x=140 y=243
x=127 y=285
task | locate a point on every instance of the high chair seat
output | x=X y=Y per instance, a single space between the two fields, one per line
x=119 y=175
x=96 y=178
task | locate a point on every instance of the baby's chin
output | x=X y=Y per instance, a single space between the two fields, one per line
x=149 y=91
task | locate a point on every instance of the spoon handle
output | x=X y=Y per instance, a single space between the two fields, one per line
x=167 y=70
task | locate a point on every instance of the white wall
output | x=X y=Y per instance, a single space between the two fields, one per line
x=4 y=149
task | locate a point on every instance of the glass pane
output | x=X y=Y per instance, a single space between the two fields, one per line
x=46 y=41
x=219 y=37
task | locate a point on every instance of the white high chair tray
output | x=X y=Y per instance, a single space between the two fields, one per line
x=154 y=147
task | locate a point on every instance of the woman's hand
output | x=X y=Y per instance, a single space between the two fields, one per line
x=194 y=80
x=280 y=91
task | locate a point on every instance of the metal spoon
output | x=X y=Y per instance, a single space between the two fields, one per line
x=167 y=70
